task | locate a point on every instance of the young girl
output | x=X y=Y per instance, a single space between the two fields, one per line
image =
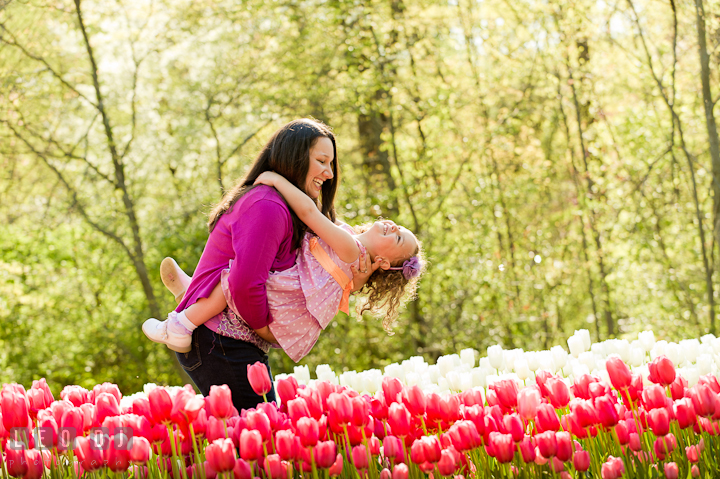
x=304 y=299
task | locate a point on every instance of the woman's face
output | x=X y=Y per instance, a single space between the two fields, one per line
x=320 y=170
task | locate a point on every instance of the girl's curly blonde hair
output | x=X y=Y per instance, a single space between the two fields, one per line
x=387 y=290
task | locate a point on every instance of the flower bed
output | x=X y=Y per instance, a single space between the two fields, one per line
x=611 y=409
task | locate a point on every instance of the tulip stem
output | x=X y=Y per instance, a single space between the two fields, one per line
x=176 y=473
x=199 y=466
x=4 y=471
x=265 y=397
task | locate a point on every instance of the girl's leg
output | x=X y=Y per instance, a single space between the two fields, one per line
x=206 y=308
x=174 y=278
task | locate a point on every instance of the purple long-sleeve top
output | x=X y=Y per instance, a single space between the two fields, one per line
x=257 y=235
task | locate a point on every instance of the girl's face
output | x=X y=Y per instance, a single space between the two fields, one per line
x=320 y=169
x=393 y=243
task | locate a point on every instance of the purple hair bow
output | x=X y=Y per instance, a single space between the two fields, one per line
x=410 y=268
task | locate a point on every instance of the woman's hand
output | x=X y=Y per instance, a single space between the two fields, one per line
x=265 y=332
x=267 y=178
x=363 y=272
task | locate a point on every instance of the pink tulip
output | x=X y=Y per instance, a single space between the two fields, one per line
x=314 y=401
x=662 y=371
x=340 y=408
x=285 y=445
x=337 y=468
x=671 y=470
x=76 y=395
x=547 y=443
x=504 y=447
x=606 y=412
x=514 y=426
x=91 y=457
x=581 y=460
x=360 y=411
x=634 y=443
x=259 y=421
x=399 y=419
x=307 y=430
x=37 y=401
x=417 y=452
x=392 y=388
x=619 y=372
x=35 y=465
x=529 y=399
x=108 y=388
x=693 y=453
x=140 y=450
x=695 y=471
x=360 y=457
x=400 y=471
x=393 y=448
x=527 y=449
x=385 y=473
x=507 y=392
x=447 y=464
x=274 y=467
x=547 y=418
x=117 y=455
x=15 y=406
x=259 y=378
x=242 y=469
x=221 y=455
x=16 y=461
x=219 y=402
x=703 y=399
x=415 y=401
x=74 y=420
x=287 y=389
x=659 y=421
x=251 y=445
x=564 y=446
x=558 y=392
x=325 y=453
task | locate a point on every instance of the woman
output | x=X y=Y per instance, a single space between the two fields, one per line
x=253 y=229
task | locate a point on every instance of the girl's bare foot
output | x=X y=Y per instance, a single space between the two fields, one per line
x=174 y=278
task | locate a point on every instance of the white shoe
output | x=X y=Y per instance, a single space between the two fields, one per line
x=174 y=278
x=158 y=332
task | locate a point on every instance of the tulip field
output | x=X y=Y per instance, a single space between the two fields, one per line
x=619 y=408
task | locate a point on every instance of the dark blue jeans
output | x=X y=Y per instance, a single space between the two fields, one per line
x=214 y=360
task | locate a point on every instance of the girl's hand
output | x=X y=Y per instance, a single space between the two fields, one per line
x=267 y=178
x=362 y=274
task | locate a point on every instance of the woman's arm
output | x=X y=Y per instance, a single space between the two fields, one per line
x=305 y=208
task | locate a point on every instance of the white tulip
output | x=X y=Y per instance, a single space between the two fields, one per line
x=302 y=374
x=454 y=381
x=672 y=351
x=456 y=360
x=588 y=359
x=445 y=364
x=658 y=349
x=691 y=349
x=576 y=345
x=443 y=385
x=716 y=345
x=412 y=379
x=707 y=338
x=623 y=347
x=647 y=339
x=578 y=369
x=599 y=349
x=533 y=360
x=408 y=366
x=560 y=356
x=394 y=370
x=467 y=356
x=637 y=356
x=495 y=355
x=692 y=375
x=485 y=363
x=585 y=335
x=704 y=364
x=522 y=369
x=478 y=376
x=466 y=381
x=433 y=373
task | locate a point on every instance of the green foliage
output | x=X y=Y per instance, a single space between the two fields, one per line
x=528 y=144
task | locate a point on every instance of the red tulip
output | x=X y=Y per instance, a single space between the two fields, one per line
x=684 y=412
x=219 y=402
x=360 y=457
x=242 y=469
x=16 y=461
x=76 y=395
x=678 y=387
x=251 y=445
x=464 y=436
x=547 y=418
x=662 y=371
x=613 y=468
x=385 y=473
x=337 y=468
x=622 y=432
x=392 y=388
x=581 y=461
x=360 y=411
x=48 y=431
x=37 y=401
x=185 y=408
x=313 y=400
x=325 y=453
x=634 y=442
x=259 y=378
x=671 y=470
x=259 y=421
x=108 y=388
x=417 y=452
x=620 y=375
x=307 y=430
x=73 y=420
x=558 y=392
x=415 y=401
x=400 y=471
x=654 y=397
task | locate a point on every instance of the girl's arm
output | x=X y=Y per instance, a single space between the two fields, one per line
x=305 y=208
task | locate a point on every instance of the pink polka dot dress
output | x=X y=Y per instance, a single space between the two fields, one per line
x=305 y=298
